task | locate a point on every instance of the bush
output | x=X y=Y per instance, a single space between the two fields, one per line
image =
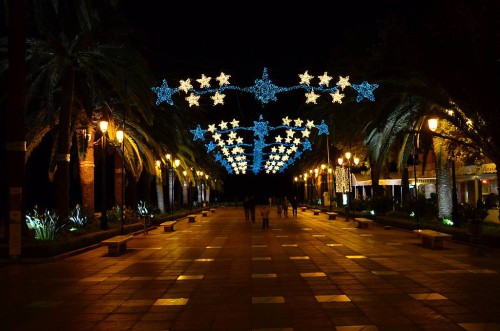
x=46 y=225
x=79 y=219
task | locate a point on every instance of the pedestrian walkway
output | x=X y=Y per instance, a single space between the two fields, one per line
x=222 y=273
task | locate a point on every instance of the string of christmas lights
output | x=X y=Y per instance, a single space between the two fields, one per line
x=263 y=89
x=273 y=148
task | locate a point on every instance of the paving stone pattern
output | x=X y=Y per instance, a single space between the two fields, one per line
x=223 y=273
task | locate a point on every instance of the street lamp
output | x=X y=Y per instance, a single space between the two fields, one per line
x=103 y=125
x=296 y=186
x=414 y=152
x=120 y=135
x=330 y=185
x=172 y=182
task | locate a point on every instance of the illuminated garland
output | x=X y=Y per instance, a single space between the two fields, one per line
x=287 y=144
x=341 y=179
x=263 y=89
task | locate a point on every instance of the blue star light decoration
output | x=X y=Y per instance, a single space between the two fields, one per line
x=272 y=149
x=263 y=89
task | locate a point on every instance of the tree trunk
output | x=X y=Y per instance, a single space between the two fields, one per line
x=63 y=146
x=15 y=135
x=159 y=189
x=119 y=194
x=405 y=188
x=87 y=177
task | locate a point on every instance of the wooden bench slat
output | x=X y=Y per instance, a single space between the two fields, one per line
x=191 y=218
x=316 y=211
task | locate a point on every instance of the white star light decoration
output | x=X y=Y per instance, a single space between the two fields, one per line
x=264 y=89
x=269 y=151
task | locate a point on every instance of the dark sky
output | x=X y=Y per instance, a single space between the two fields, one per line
x=188 y=39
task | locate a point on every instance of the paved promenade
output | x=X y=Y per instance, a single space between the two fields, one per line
x=222 y=273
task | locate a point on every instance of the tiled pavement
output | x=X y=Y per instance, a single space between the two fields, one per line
x=222 y=273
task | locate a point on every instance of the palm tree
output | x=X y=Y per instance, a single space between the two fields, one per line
x=79 y=69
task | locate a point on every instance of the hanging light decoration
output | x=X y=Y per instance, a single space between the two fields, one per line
x=263 y=89
x=272 y=150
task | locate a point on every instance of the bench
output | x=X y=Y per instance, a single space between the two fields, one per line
x=432 y=239
x=117 y=245
x=168 y=225
x=212 y=210
x=316 y=211
x=332 y=215
x=204 y=213
x=304 y=208
x=363 y=222
x=191 y=218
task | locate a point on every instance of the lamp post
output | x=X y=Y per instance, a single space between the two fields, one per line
x=296 y=185
x=103 y=125
x=172 y=182
x=120 y=137
x=330 y=185
x=414 y=151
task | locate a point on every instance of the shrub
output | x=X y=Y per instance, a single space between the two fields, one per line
x=46 y=225
x=79 y=219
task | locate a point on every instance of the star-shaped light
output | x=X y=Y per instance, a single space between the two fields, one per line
x=260 y=129
x=282 y=149
x=211 y=146
x=365 y=90
x=164 y=93
x=230 y=141
x=325 y=79
x=322 y=128
x=305 y=133
x=239 y=140
x=223 y=79
x=274 y=149
x=218 y=98
x=288 y=140
x=286 y=121
x=296 y=141
x=235 y=123
x=278 y=138
x=305 y=78
x=223 y=125
x=343 y=82
x=193 y=99
x=198 y=133
x=306 y=145
x=337 y=96
x=232 y=135
x=211 y=128
x=311 y=97
x=298 y=122
x=290 y=132
x=204 y=81
x=264 y=89
x=185 y=85
x=216 y=136
x=310 y=124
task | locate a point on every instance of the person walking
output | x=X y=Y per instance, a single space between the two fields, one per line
x=295 y=205
x=284 y=203
x=246 y=208
x=278 y=210
x=265 y=216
